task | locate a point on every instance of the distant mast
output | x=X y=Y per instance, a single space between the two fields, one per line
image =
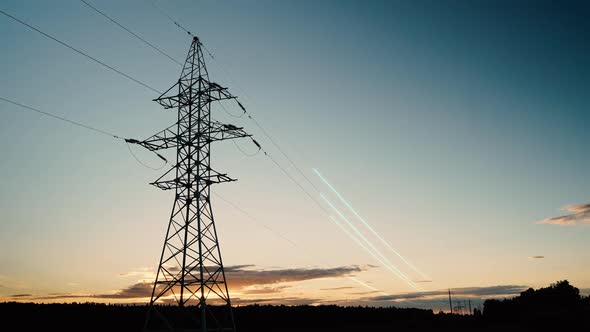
x=450 y=301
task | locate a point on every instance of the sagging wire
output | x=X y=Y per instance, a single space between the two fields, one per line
x=232 y=115
x=142 y=163
x=244 y=152
x=134 y=141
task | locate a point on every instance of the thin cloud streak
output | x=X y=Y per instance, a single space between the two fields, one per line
x=489 y=291
x=243 y=276
x=579 y=214
x=336 y=288
x=264 y=290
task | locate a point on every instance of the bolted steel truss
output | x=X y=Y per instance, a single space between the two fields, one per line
x=191 y=274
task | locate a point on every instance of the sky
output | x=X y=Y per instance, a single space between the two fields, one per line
x=456 y=129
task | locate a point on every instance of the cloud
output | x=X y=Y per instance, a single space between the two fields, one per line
x=536 y=257
x=245 y=279
x=336 y=288
x=579 y=214
x=139 y=290
x=263 y=290
x=142 y=274
x=489 y=291
x=242 y=276
x=277 y=300
x=364 y=293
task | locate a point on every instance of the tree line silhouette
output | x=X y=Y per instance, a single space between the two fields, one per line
x=558 y=306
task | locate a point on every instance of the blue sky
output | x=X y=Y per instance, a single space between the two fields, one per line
x=452 y=126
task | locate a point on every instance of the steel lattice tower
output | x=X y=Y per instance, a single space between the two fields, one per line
x=191 y=273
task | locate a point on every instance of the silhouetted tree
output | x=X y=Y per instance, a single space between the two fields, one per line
x=558 y=304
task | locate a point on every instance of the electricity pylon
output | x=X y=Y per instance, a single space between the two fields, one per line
x=191 y=274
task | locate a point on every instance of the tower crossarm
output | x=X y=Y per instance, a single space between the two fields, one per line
x=179 y=182
x=216 y=92
x=168 y=138
x=224 y=131
x=176 y=183
x=170 y=101
x=164 y=139
x=212 y=90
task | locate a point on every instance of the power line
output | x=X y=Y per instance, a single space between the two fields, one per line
x=169 y=17
x=80 y=52
x=296 y=182
x=100 y=131
x=256 y=221
x=282 y=151
x=62 y=118
x=130 y=32
x=175 y=22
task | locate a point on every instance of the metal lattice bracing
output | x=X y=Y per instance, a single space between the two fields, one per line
x=190 y=273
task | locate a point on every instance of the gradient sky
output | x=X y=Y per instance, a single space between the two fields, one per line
x=453 y=127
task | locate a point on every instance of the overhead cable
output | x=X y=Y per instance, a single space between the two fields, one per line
x=130 y=32
x=80 y=52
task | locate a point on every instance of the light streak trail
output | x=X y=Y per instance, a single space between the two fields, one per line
x=365 y=248
x=352 y=236
x=367 y=285
x=374 y=252
x=423 y=275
